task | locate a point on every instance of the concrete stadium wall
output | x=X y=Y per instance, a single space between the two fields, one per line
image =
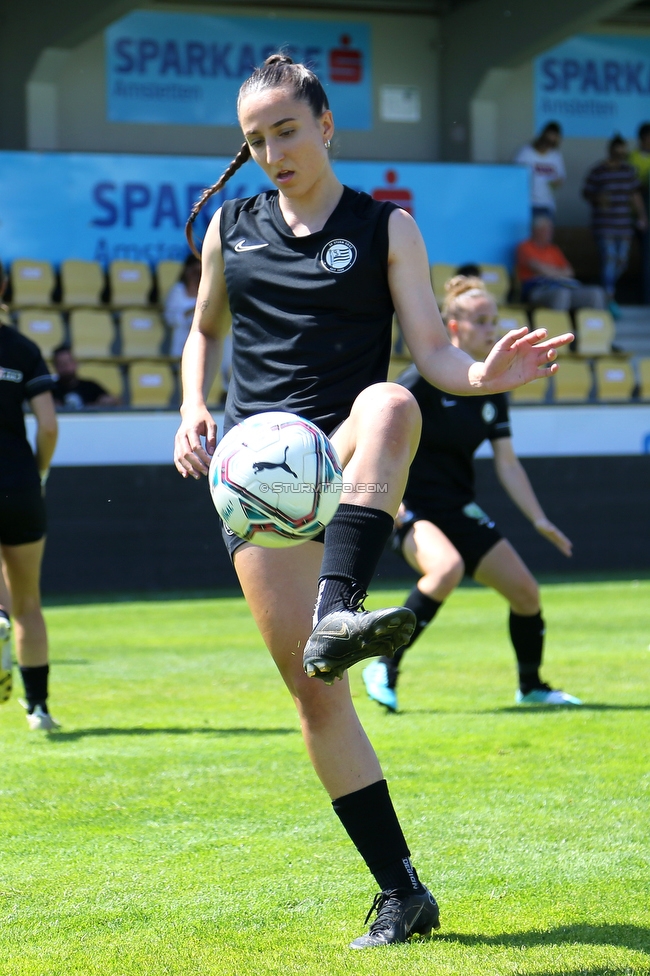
x=67 y=97
x=143 y=528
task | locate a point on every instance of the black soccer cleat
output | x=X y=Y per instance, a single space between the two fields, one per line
x=400 y=914
x=345 y=637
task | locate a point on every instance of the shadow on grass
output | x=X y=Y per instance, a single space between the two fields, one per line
x=73 y=735
x=525 y=711
x=585 y=707
x=621 y=936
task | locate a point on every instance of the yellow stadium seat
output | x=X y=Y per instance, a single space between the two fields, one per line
x=92 y=333
x=32 y=282
x=511 y=318
x=534 y=392
x=151 y=383
x=108 y=375
x=142 y=332
x=594 y=331
x=440 y=273
x=555 y=322
x=644 y=379
x=497 y=280
x=573 y=381
x=42 y=326
x=82 y=282
x=167 y=274
x=614 y=379
x=130 y=282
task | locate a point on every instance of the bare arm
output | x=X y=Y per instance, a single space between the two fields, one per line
x=514 y=479
x=201 y=358
x=516 y=359
x=46 y=430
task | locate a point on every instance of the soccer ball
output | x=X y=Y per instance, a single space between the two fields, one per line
x=275 y=480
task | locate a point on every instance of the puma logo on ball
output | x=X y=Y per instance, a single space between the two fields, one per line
x=268 y=465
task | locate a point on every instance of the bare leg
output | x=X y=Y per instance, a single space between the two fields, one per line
x=280 y=588
x=23 y=569
x=428 y=550
x=377 y=443
x=505 y=571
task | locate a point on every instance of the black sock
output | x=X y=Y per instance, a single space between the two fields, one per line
x=35 y=683
x=354 y=541
x=369 y=817
x=425 y=610
x=527 y=636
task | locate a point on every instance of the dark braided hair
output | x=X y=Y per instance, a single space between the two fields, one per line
x=278 y=71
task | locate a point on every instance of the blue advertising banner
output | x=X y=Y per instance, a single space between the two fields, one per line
x=104 y=207
x=186 y=69
x=594 y=86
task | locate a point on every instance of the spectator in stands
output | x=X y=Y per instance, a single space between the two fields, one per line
x=640 y=159
x=180 y=302
x=614 y=192
x=71 y=391
x=547 y=277
x=544 y=159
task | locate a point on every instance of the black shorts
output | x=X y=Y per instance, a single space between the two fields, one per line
x=22 y=515
x=232 y=542
x=469 y=529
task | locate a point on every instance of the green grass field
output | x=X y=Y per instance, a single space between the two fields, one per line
x=174 y=825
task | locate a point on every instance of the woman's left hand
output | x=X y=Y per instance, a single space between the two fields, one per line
x=553 y=534
x=521 y=356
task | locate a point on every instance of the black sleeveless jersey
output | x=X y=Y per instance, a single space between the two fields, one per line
x=311 y=315
x=23 y=375
x=453 y=428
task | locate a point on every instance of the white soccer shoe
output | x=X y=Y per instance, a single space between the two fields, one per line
x=39 y=720
x=5 y=659
x=545 y=695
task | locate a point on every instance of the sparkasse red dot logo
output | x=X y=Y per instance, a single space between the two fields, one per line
x=393 y=193
x=346 y=63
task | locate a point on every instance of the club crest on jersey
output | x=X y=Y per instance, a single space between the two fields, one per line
x=488 y=412
x=338 y=256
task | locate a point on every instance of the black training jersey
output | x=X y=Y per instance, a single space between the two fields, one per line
x=23 y=375
x=453 y=428
x=311 y=315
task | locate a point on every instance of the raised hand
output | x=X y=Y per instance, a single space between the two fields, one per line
x=522 y=356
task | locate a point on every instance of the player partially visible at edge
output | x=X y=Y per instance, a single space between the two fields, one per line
x=442 y=533
x=312 y=272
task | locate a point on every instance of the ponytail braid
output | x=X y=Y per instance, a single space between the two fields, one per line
x=242 y=156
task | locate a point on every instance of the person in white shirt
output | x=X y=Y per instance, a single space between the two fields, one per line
x=180 y=303
x=544 y=159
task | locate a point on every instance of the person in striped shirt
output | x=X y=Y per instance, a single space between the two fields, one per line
x=614 y=192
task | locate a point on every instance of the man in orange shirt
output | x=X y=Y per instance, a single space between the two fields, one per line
x=547 y=277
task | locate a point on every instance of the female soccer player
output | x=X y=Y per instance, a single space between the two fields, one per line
x=442 y=533
x=312 y=271
x=24 y=375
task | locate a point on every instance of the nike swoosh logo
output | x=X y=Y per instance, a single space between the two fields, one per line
x=243 y=246
x=448 y=403
x=410 y=924
x=343 y=632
